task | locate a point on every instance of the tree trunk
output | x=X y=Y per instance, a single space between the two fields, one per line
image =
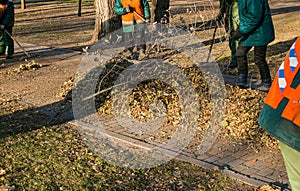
x=23 y=4
x=152 y=5
x=106 y=21
x=79 y=8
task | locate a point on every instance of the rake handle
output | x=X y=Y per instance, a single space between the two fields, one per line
x=212 y=43
x=140 y=16
x=17 y=43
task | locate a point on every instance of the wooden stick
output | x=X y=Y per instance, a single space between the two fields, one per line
x=140 y=16
x=17 y=43
x=212 y=43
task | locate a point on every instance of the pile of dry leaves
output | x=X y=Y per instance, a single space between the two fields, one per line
x=240 y=123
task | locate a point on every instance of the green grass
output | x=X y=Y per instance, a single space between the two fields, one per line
x=55 y=158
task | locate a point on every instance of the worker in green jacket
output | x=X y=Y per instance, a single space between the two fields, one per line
x=229 y=12
x=255 y=29
x=280 y=115
x=7 y=18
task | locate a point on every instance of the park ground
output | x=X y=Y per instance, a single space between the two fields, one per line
x=38 y=152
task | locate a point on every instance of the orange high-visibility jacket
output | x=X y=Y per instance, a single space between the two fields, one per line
x=281 y=86
x=3 y=8
x=128 y=19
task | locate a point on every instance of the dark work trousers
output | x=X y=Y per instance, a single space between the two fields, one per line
x=259 y=59
x=136 y=38
x=6 y=43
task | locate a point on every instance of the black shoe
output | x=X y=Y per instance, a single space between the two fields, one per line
x=232 y=65
x=9 y=57
x=265 y=85
x=242 y=83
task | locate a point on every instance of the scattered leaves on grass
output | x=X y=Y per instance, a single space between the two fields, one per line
x=216 y=168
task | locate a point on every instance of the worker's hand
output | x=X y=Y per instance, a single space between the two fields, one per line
x=147 y=21
x=129 y=9
x=219 y=17
x=2 y=27
x=236 y=35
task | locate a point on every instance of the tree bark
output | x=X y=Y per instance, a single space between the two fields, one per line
x=106 y=21
x=79 y=8
x=23 y=4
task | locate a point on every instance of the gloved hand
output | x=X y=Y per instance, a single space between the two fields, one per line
x=219 y=17
x=2 y=27
x=147 y=21
x=236 y=35
x=129 y=9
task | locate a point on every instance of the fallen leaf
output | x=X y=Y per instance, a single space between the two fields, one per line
x=267 y=188
x=216 y=168
x=252 y=161
x=2 y=172
x=6 y=188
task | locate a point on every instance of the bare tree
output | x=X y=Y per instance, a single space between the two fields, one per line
x=23 y=4
x=106 y=21
x=79 y=8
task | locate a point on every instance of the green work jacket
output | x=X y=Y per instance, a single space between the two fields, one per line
x=255 y=22
x=9 y=17
x=225 y=6
x=282 y=129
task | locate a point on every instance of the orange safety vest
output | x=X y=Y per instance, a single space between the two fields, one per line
x=129 y=18
x=281 y=89
x=2 y=11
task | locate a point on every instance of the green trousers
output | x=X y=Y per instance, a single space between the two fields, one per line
x=6 y=43
x=232 y=24
x=291 y=160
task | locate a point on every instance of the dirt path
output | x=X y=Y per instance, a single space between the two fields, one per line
x=41 y=86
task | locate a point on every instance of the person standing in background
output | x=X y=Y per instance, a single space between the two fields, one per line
x=229 y=9
x=159 y=11
x=7 y=18
x=255 y=30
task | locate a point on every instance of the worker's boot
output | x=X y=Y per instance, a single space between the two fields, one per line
x=9 y=57
x=242 y=81
x=232 y=64
x=265 y=85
